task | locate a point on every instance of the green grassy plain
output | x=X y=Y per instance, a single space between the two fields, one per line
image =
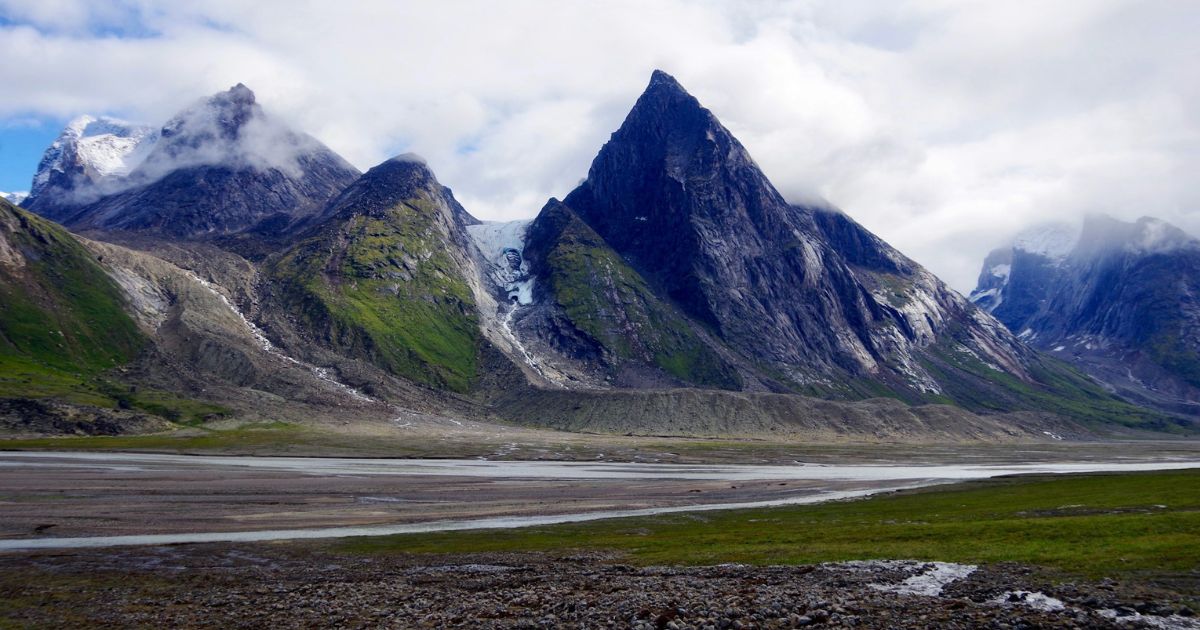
x=1134 y=526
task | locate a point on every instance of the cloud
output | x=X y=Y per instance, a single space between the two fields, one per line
x=942 y=126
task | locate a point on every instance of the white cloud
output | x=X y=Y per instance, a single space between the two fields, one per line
x=943 y=126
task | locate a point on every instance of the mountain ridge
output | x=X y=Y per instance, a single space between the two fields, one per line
x=675 y=265
x=1118 y=304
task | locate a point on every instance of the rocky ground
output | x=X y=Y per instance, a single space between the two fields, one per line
x=296 y=585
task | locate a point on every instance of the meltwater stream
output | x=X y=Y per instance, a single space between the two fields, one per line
x=885 y=477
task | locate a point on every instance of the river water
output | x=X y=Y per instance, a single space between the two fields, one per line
x=878 y=478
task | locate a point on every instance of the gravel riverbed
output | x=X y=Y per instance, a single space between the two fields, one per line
x=296 y=586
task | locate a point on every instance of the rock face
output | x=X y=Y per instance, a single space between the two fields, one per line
x=87 y=160
x=1117 y=299
x=220 y=167
x=1014 y=281
x=678 y=255
x=385 y=276
x=601 y=309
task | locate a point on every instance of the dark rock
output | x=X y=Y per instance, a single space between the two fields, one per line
x=220 y=167
x=1119 y=303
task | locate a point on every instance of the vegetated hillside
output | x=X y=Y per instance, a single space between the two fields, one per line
x=61 y=316
x=609 y=305
x=386 y=278
x=65 y=330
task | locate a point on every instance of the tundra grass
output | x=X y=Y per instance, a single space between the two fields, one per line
x=1139 y=525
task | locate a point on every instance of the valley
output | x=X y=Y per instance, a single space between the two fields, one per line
x=244 y=383
x=1051 y=551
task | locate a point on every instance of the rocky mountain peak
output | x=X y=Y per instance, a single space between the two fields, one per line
x=668 y=128
x=803 y=290
x=86 y=160
x=223 y=114
x=216 y=168
x=394 y=181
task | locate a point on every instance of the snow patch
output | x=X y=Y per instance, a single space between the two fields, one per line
x=1054 y=241
x=15 y=198
x=1173 y=622
x=503 y=246
x=929 y=579
x=1034 y=600
x=104 y=148
x=935 y=577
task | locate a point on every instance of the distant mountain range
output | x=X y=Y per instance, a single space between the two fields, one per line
x=674 y=291
x=1119 y=300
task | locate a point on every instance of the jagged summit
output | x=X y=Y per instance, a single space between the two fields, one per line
x=219 y=167
x=798 y=297
x=668 y=127
x=223 y=114
x=660 y=77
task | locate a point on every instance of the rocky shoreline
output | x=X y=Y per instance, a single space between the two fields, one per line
x=293 y=585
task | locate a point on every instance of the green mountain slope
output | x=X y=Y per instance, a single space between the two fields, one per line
x=62 y=319
x=384 y=278
x=612 y=304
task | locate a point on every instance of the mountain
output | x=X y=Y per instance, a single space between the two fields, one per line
x=1117 y=299
x=606 y=310
x=675 y=283
x=385 y=275
x=15 y=198
x=86 y=161
x=63 y=322
x=220 y=167
x=677 y=263
x=59 y=313
x=1037 y=253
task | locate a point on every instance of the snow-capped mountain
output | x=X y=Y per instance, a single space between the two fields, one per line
x=86 y=161
x=220 y=166
x=1037 y=251
x=15 y=198
x=1118 y=299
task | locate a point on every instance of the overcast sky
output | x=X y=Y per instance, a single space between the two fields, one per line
x=942 y=126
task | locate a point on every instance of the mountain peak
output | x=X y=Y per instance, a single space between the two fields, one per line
x=664 y=96
x=383 y=186
x=236 y=97
x=241 y=92
x=658 y=78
